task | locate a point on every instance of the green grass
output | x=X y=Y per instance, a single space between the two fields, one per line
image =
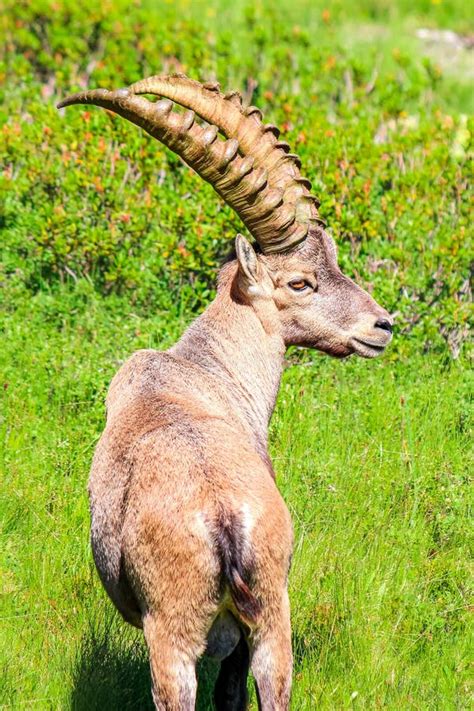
x=372 y=458
x=109 y=244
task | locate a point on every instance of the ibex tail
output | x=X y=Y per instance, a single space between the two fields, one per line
x=235 y=573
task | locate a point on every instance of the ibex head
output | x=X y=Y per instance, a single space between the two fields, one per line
x=293 y=277
x=316 y=304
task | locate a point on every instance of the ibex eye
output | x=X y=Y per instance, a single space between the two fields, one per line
x=299 y=285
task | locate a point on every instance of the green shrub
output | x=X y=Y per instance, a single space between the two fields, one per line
x=381 y=130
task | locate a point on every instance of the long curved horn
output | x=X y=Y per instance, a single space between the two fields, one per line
x=251 y=170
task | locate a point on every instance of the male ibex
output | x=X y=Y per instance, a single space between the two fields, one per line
x=190 y=535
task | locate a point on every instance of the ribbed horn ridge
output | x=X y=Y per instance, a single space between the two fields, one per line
x=251 y=169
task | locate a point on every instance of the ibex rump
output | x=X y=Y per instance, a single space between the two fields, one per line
x=190 y=535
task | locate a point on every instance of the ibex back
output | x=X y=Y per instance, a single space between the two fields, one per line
x=190 y=535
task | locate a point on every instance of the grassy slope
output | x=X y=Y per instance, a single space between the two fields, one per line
x=372 y=458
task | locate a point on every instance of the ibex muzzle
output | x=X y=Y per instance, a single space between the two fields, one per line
x=190 y=535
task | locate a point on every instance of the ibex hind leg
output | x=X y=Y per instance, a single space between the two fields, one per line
x=230 y=693
x=173 y=671
x=272 y=661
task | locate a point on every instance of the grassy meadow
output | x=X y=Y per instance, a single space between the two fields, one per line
x=109 y=244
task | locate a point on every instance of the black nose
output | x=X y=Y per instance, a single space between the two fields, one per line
x=385 y=324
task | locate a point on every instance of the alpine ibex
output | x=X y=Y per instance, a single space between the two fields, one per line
x=191 y=537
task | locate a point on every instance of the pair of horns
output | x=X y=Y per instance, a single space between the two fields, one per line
x=251 y=169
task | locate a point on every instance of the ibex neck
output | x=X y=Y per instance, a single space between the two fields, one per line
x=243 y=357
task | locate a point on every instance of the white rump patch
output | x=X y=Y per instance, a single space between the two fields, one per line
x=199 y=526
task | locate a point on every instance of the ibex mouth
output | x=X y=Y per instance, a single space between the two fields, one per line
x=367 y=349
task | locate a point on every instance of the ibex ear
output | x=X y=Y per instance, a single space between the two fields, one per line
x=248 y=262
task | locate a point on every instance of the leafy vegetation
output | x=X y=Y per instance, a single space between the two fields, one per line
x=109 y=243
x=381 y=130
